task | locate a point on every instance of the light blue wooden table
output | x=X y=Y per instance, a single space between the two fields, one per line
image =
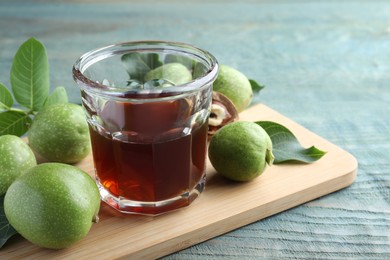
x=325 y=65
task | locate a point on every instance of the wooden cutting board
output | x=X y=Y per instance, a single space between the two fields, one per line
x=222 y=207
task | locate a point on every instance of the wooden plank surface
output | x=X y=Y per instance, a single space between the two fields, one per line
x=223 y=206
x=325 y=64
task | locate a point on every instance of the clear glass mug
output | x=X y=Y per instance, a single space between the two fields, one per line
x=148 y=133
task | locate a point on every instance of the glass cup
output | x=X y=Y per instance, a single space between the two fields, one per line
x=147 y=106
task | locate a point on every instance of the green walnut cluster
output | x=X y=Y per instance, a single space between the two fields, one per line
x=51 y=204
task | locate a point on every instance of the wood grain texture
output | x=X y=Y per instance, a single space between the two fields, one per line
x=325 y=64
x=224 y=205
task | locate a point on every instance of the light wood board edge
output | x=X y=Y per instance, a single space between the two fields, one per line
x=255 y=214
x=222 y=224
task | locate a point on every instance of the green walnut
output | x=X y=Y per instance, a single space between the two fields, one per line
x=16 y=158
x=53 y=205
x=176 y=73
x=60 y=133
x=235 y=86
x=240 y=151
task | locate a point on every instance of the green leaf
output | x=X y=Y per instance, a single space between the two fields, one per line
x=256 y=87
x=199 y=70
x=14 y=123
x=30 y=75
x=58 y=95
x=286 y=146
x=6 y=100
x=138 y=64
x=6 y=230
